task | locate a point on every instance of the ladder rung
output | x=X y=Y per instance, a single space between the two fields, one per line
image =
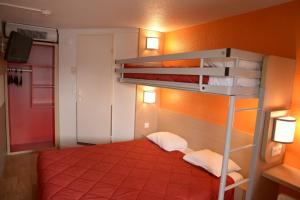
x=242 y=148
x=246 y=109
x=229 y=187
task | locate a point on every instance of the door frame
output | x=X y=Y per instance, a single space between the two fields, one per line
x=56 y=104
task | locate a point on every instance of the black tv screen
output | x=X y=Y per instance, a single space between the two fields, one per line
x=18 y=47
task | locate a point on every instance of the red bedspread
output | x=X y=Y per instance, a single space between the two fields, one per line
x=128 y=171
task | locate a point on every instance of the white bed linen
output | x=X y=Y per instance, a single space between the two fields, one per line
x=229 y=81
x=187 y=150
x=168 y=141
x=210 y=161
x=236 y=176
x=243 y=64
x=243 y=82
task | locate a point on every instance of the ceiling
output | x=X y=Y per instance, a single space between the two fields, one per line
x=161 y=15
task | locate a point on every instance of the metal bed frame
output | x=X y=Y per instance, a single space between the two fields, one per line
x=234 y=92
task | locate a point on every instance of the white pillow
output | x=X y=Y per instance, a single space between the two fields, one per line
x=236 y=176
x=211 y=161
x=168 y=141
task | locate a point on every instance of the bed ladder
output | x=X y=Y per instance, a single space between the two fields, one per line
x=255 y=147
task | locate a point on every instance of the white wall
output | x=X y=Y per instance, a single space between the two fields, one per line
x=125 y=45
x=123 y=117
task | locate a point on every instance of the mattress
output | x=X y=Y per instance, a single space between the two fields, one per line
x=128 y=170
x=209 y=80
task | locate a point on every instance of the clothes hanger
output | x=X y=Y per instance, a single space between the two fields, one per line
x=16 y=78
x=9 y=79
x=21 y=79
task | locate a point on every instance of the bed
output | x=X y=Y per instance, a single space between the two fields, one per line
x=137 y=169
x=232 y=72
x=222 y=71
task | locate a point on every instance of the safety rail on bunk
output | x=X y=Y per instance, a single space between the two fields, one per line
x=227 y=67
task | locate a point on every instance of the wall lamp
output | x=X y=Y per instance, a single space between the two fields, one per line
x=284 y=129
x=149 y=97
x=279 y=129
x=152 y=43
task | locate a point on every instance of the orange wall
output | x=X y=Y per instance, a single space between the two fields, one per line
x=211 y=108
x=270 y=31
x=293 y=150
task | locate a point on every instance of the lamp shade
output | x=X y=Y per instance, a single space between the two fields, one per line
x=149 y=97
x=284 y=129
x=152 y=43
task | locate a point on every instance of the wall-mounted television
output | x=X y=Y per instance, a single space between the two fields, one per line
x=18 y=47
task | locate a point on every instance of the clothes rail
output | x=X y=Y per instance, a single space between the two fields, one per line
x=10 y=69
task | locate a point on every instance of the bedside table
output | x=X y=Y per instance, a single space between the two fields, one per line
x=284 y=175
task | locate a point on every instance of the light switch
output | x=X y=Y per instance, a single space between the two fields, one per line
x=146 y=125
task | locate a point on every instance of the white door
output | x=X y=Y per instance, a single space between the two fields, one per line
x=94 y=88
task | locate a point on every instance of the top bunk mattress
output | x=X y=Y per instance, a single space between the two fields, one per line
x=209 y=80
x=127 y=170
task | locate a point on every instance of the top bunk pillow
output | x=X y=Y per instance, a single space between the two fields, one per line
x=168 y=141
x=210 y=161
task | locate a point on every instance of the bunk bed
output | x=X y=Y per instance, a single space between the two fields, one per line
x=137 y=169
x=231 y=72
x=223 y=71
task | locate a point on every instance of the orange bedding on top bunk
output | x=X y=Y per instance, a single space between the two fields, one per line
x=165 y=77
x=135 y=170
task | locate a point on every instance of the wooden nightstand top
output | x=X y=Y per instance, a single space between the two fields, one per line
x=284 y=175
